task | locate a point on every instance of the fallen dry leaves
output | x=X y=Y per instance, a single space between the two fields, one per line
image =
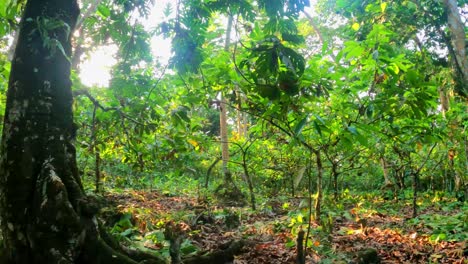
x=268 y=245
x=396 y=245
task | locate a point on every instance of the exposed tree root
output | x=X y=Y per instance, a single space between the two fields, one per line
x=218 y=257
x=134 y=254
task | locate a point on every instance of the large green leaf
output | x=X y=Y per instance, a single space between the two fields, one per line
x=300 y=126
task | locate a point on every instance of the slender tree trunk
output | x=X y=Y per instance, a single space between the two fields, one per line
x=230 y=192
x=208 y=172
x=318 y=201
x=94 y=149
x=248 y=177
x=223 y=114
x=465 y=143
x=400 y=176
x=444 y=100
x=244 y=121
x=291 y=180
x=335 y=174
x=300 y=257
x=239 y=114
x=224 y=136
x=415 y=193
x=383 y=163
x=250 y=184
x=97 y=169
x=241 y=117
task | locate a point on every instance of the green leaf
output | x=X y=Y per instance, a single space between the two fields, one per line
x=353 y=49
x=187 y=247
x=412 y=77
x=3 y=7
x=103 y=11
x=60 y=47
x=3 y=28
x=293 y=60
x=319 y=119
x=352 y=130
x=300 y=125
x=124 y=222
x=293 y=38
x=290 y=244
x=438 y=237
x=394 y=68
x=347 y=142
x=362 y=139
x=268 y=91
x=317 y=127
x=181 y=114
x=127 y=232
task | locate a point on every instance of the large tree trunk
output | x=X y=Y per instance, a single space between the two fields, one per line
x=458 y=39
x=45 y=215
x=38 y=178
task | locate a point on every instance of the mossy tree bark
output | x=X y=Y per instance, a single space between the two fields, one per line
x=44 y=213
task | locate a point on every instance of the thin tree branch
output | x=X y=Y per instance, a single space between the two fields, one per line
x=106 y=109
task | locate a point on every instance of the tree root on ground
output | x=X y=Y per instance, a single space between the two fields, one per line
x=218 y=257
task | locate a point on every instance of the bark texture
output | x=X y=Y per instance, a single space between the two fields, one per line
x=45 y=216
x=458 y=39
x=40 y=192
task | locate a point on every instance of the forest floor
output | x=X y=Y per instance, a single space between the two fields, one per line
x=437 y=235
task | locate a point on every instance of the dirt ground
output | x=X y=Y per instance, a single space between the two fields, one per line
x=269 y=237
